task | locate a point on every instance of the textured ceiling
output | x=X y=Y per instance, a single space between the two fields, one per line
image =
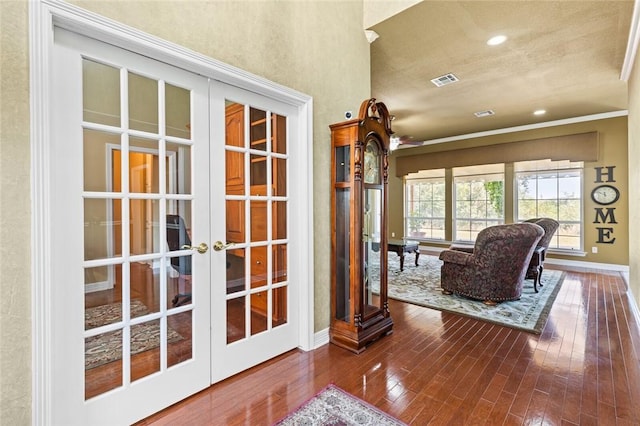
x=561 y=56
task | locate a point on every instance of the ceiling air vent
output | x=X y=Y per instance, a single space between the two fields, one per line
x=443 y=80
x=485 y=113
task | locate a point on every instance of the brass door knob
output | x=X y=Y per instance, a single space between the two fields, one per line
x=201 y=248
x=219 y=245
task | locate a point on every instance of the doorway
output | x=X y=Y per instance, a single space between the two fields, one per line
x=185 y=337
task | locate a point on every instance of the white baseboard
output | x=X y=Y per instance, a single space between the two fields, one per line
x=634 y=306
x=579 y=265
x=321 y=338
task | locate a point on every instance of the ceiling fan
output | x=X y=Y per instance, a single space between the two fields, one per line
x=404 y=140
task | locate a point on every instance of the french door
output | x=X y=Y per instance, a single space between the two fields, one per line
x=254 y=300
x=171 y=251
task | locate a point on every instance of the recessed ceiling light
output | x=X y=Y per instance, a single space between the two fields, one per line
x=499 y=39
x=539 y=112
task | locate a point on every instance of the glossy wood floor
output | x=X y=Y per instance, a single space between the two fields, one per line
x=440 y=368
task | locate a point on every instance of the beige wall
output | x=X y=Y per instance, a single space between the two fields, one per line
x=15 y=267
x=634 y=180
x=612 y=135
x=316 y=47
x=376 y=11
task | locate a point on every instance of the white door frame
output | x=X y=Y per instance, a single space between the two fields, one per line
x=43 y=16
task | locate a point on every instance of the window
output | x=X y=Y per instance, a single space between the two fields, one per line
x=425 y=205
x=479 y=199
x=552 y=189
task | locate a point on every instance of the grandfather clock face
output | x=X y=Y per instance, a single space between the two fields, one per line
x=371 y=163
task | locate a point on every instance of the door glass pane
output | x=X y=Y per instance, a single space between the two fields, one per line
x=234 y=163
x=102 y=363
x=144 y=344
x=258 y=312
x=180 y=345
x=279 y=131
x=258 y=220
x=235 y=221
x=235 y=319
x=143 y=103
x=235 y=271
x=143 y=226
x=258 y=266
x=279 y=303
x=101 y=171
x=279 y=220
x=280 y=272
x=258 y=174
x=179 y=274
x=102 y=285
x=279 y=172
x=102 y=229
x=144 y=172
x=258 y=129
x=178 y=166
x=100 y=93
x=178 y=111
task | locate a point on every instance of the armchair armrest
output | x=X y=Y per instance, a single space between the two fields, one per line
x=467 y=248
x=457 y=257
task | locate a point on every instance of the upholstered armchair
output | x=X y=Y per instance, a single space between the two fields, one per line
x=495 y=270
x=536 y=266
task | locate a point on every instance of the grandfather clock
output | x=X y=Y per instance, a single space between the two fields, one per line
x=359 y=158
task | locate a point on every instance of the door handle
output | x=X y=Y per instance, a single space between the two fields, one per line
x=219 y=246
x=202 y=248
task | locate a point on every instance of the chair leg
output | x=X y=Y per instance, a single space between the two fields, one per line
x=490 y=302
x=446 y=292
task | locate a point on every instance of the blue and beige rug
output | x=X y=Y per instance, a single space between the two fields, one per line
x=336 y=407
x=420 y=285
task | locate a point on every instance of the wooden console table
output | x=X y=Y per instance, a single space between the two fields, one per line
x=400 y=247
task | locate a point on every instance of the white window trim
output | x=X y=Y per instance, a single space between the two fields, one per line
x=43 y=16
x=406 y=210
x=454 y=202
x=557 y=250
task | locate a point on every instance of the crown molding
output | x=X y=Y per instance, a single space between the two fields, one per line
x=632 y=44
x=572 y=120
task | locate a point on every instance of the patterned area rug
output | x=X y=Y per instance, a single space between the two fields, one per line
x=420 y=285
x=333 y=406
x=107 y=347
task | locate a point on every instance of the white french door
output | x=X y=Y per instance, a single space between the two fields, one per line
x=123 y=230
x=175 y=261
x=257 y=297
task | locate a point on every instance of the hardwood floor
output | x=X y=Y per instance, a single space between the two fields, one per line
x=440 y=368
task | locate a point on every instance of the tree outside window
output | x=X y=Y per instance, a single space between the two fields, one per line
x=554 y=190
x=479 y=199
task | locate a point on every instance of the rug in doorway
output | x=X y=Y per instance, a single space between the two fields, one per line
x=334 y=406
x=107 y=347
x=420 y=285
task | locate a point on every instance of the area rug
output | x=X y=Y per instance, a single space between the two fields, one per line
x=107 y=347
x=334 y=406
x=420 y=285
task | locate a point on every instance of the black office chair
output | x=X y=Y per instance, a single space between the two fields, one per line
x=177 y=237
